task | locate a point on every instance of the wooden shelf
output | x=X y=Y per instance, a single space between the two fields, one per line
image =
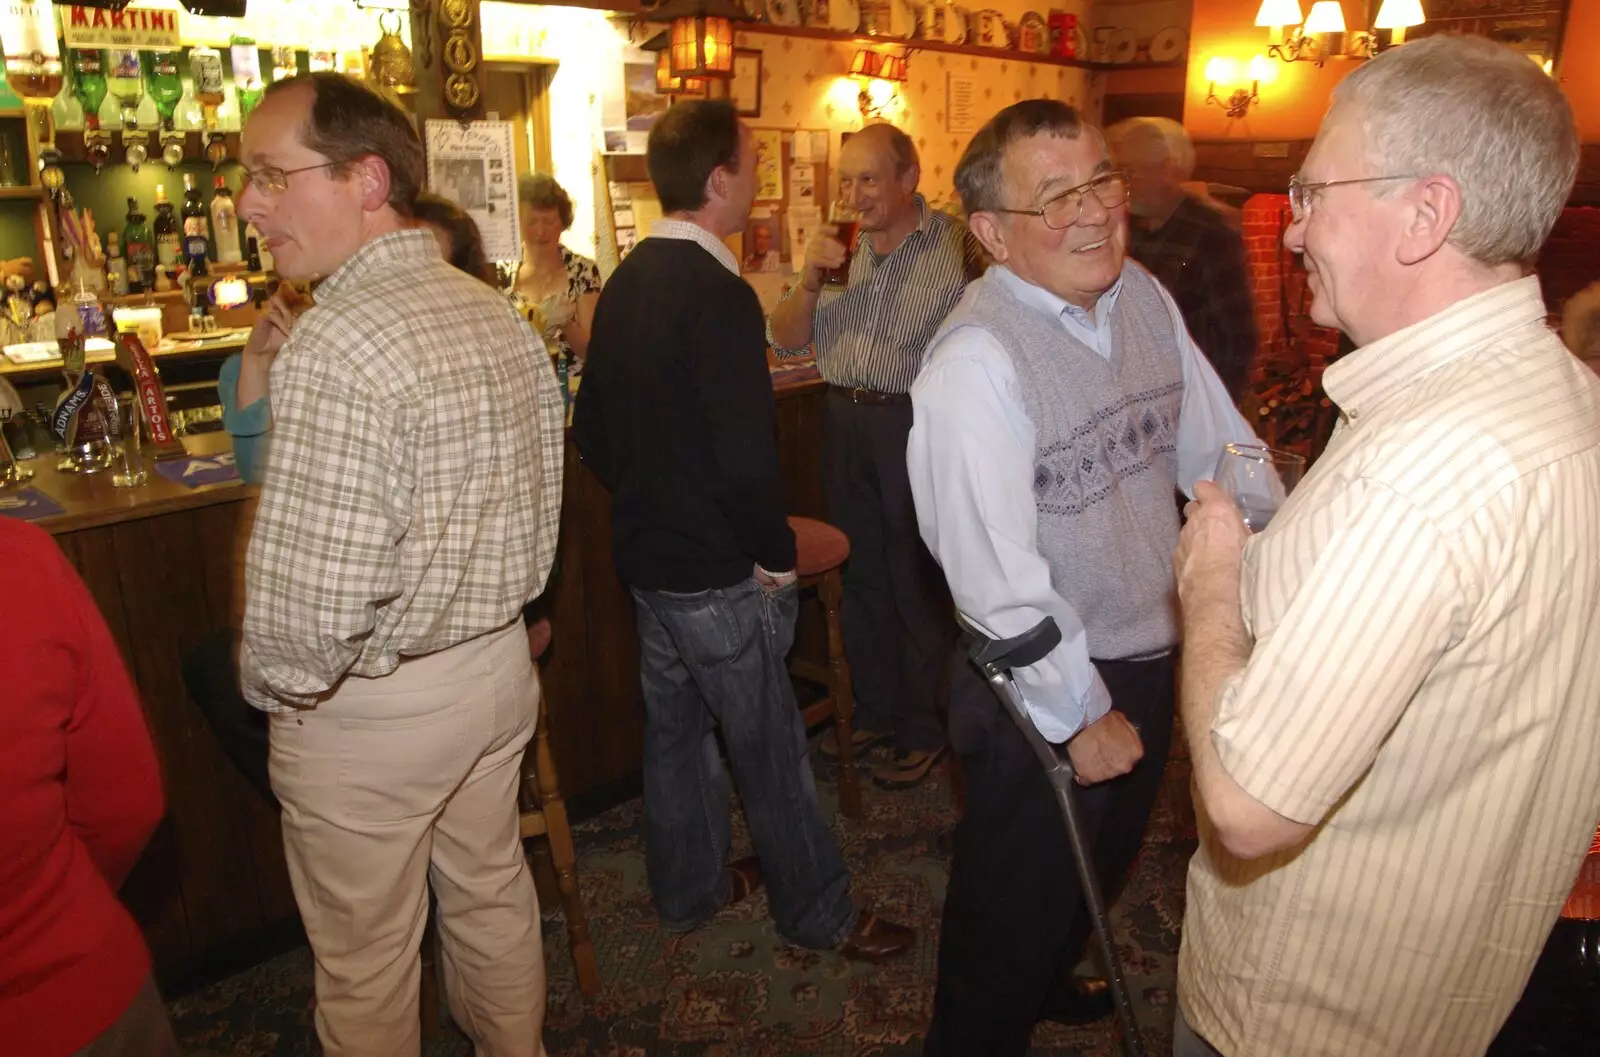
x=912 y=43
x=18 y=194
x=12 y=112
x=920 y=44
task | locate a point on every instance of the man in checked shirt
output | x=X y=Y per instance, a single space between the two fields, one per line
x=1188 y=245
x=408 y=510
x=907 y=271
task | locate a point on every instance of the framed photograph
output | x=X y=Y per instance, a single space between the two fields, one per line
x=761 y=248
x=745 y=87
x=643 y=103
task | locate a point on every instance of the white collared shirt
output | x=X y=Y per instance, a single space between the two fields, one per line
x=692 y=232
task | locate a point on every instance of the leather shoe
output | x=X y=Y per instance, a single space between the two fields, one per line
x=744 y=877
x=1087 y=999
x=876 y=940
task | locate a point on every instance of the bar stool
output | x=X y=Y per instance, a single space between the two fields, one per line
x=542 y=813
x=820 y=550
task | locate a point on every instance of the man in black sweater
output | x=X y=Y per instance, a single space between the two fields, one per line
x=675 y=417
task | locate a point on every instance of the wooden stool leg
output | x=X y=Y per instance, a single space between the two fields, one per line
x=832 y=593
x=559 y=833
x=428 y=996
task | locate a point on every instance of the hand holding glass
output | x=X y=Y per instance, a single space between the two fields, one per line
x=1258 y=480
x=847 y=223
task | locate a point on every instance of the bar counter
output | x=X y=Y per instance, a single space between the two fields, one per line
x=162 y=561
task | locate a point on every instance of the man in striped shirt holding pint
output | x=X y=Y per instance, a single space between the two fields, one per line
x=906 y=272
x=1392 y=694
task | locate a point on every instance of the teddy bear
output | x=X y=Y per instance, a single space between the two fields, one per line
x=17 y=276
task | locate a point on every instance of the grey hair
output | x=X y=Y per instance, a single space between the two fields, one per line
x=979 y=179
x=1481 y=114
x=1161 y=135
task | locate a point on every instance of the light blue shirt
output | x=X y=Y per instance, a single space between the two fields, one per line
x=248 y=426
x=971 y=463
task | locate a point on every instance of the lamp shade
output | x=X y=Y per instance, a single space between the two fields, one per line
x=702 y=46
x=669 y=83
x=1279 y=13
x=893 y=68
x=1326 y=17
x=1399 y=14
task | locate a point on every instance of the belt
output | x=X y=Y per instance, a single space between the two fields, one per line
x=870 y=396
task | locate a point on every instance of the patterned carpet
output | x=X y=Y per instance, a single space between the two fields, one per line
x=732 y=989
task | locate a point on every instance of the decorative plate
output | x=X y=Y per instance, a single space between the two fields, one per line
x=817 y=12
x=1033 y=34
x=783 y=12
x=1124 y=45
x=844 y=15
x=1168 y=45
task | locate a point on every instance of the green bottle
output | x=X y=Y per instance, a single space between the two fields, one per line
x=89 y=71
x=140 y=251
x=247 y=85
x=164 y=84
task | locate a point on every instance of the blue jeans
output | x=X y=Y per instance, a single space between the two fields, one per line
x=716 y=659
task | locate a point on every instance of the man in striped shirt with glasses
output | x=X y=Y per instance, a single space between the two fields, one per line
x=1390 y=693
x=906 y=272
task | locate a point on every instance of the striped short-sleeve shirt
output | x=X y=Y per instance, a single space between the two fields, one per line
x=872 y=333
x=1424 y=687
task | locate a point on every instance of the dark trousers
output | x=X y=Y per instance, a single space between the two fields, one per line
x=211 y=673
x=141 y=1031
x=1015 y=923
x=715 y=660
x=899 y=627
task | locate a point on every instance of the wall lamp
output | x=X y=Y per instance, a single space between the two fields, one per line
x=1226 y=71
x=1310 y=39
x=880 y=76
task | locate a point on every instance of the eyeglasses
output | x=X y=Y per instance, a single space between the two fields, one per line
x=1110 y=190
x=1300 y=192
x=271 y=180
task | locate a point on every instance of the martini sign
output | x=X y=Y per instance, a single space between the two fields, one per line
x=144 y=28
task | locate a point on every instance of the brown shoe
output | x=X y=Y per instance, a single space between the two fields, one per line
x=860 y=742
x=876 y=940
x=906 y=769
x=744 y=877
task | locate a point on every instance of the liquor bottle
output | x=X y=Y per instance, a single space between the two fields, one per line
x=195 y=219
x=125 y=82
x=247 y=86
x=140 y=253
x=164 y=84
x=205 y=66
x=33 y=57
x=168 y=242
x=116 y=265
x=225 y=224
x=284 y=62
x=89 y=70
x=66 y=112
x=261 y=257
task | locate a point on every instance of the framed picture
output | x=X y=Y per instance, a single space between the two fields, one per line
x=745 y=87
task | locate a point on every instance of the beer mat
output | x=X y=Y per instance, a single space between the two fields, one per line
x=197 y=470
x=28 y=504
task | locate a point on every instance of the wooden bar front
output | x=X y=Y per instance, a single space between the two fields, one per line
x=162 y=561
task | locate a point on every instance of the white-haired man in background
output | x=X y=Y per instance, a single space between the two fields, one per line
x=1390 y=693
x=1188 y=243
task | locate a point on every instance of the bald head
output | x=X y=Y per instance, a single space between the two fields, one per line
x=891 y=142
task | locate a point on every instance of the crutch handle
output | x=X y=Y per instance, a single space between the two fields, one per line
x=997 y=656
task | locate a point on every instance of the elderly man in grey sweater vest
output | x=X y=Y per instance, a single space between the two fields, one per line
x=1060 y=409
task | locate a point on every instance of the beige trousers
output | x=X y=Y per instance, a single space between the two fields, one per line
x=393 y=783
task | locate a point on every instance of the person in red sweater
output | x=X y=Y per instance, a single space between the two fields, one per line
x=80 y=795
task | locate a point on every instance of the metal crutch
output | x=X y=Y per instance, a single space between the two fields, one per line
x=996 y=658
